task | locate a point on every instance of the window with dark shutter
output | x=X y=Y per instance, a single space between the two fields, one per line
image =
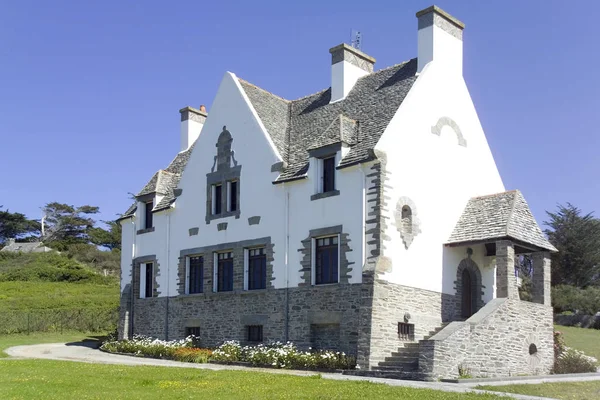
x=217 y=199
x=148 y=214
x=225 y=272
x=328 y=174
x=148 y=290
x=326 y=257
x=255 y=333
x=196 y=274
x=257 y=269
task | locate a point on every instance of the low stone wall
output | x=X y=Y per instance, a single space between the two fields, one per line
x=391 y=303
x=506 y=337
x=578 y=320
x=224 y=316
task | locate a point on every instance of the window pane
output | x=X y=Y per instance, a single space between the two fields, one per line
x=148 y=216
x=329 y=174
x=196 y=278
x=326 y=268
x=225 y=273
x=149 y=279
x=257 y=269
x=233 y=200
x=217 y=199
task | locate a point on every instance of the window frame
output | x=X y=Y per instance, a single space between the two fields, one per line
x=216 y=276
x=217 y=194
x=248 y=258
x=188 y=274
x=233 y=199
x=315 y=249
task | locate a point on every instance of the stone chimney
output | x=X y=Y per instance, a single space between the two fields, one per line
x=192 y=121
x=347 y=65
x=440 y=40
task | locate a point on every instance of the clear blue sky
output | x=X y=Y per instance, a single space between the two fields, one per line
x=90 y=91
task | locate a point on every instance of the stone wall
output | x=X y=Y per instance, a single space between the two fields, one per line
x=506 y=337
x=225 y=316
x=393 y=303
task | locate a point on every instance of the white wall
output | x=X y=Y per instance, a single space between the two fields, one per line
x=279 y=206
x=436 y=44
x=343 y=78
x=437 y=174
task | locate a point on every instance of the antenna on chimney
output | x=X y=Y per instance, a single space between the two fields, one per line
x=356 y=39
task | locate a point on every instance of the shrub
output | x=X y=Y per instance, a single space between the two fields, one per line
x=280 y=355
x=572 y=361
x=147 y=346
x=193 y=355
x=574 y=299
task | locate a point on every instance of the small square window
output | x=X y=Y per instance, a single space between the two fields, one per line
x=255 y=333
x=406 y=331
x=192 y=331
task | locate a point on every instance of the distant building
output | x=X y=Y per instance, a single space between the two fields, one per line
x=368 y=218
x=25 y=247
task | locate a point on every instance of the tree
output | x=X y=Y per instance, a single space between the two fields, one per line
x=15 y=225
x=577 y=238
x=111 y=238
x=66 y=224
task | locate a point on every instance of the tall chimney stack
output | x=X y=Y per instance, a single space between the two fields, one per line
x=440 y=40
x=347 y=65
x=192 y=121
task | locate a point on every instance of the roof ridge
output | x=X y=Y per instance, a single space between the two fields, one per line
x=264 y=90
x=494 y=194
x=310 y=95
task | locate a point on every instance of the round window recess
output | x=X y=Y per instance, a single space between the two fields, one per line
x=532 y=349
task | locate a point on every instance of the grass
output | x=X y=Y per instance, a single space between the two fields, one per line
x=584 y=339
x=25 y=379
x=7 y=341
x=56 y=295
x=589 y=390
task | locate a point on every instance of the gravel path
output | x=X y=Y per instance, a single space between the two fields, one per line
x=85 y=352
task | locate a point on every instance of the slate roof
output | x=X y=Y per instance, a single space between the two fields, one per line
x=163 y=182
x=498 y=216
x=310 y=122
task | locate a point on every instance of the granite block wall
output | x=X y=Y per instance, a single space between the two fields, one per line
x=507 y=337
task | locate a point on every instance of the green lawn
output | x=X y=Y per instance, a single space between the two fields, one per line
x=589 y=390
x=43 y=379
x=584 y=339
x=7 y=341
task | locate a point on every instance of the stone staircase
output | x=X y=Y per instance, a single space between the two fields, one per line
x=401 y=364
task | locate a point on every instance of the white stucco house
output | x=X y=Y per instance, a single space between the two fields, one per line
x=369 y=217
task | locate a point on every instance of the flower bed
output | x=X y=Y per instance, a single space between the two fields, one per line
x=274 y=355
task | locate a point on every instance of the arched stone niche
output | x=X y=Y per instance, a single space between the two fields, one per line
x=447 y=121
x=407 y=221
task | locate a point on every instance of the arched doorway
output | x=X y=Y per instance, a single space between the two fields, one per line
x=469 y=290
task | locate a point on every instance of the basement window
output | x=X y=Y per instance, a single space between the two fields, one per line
x=406 y=331
x=255 y=333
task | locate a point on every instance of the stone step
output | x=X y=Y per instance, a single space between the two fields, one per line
x=405 y=353
x=402 y=358
x=409 y=366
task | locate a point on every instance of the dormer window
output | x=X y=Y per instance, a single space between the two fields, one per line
x=323 y=163
x=148 y=206
x=328 y=174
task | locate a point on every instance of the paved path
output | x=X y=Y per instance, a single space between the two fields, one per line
x=84 y=352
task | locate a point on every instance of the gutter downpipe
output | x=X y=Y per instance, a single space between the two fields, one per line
x=286 y=255
x=130 y=335
x=168 y=273
x=364 y=216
